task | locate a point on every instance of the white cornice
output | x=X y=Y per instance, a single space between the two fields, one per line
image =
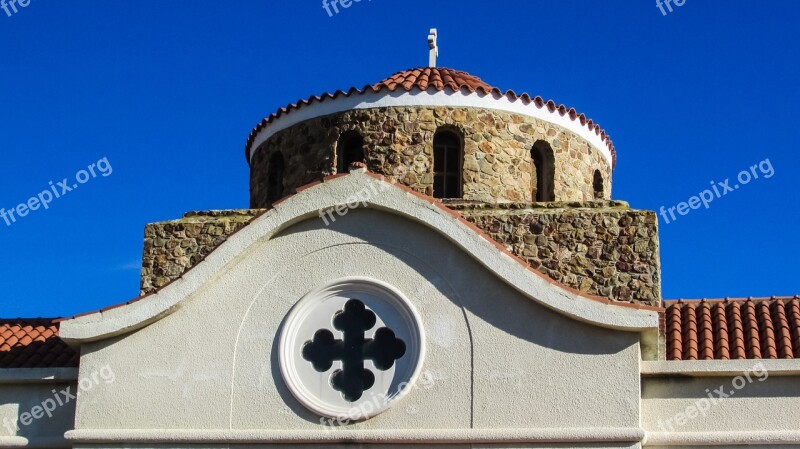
x=723 y=439
x=413 y=436
x=430 y=98
x=718 y=368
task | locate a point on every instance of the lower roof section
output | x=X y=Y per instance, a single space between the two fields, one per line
x=766 y=328
x=34 y=343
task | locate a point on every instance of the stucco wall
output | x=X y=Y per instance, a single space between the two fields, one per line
x=497 y=152
x=673 y=404
x=499 y=360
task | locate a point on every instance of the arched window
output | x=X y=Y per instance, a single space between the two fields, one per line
x=349 y=149
x=448 y=154
x=598 y=185
x=275 y=178
x=544 y=164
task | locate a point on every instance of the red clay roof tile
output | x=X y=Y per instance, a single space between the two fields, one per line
x=728 y=329
x=34 y=343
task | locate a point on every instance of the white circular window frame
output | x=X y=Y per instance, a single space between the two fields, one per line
x=291 y=342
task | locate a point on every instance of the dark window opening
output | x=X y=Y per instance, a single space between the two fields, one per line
x=544 y=171
x=349 y=149
x=275 y=178
x=447 y=157
x=353 y=350
x=598 y=185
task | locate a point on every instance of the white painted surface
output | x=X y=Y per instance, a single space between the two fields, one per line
x=761 y=407
x=718 y=368
x=507 y=362
x=409 y=436
x=728 y=439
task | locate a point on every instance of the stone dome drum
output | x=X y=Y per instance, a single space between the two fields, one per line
x=439 y=131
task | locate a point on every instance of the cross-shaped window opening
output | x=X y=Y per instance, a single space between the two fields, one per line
x=353 y=321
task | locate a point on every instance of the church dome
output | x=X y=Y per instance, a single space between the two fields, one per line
x=502 y=147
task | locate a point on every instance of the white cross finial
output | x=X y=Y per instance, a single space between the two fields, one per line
x=433 y=46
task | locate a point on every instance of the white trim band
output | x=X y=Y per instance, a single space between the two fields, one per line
x=36 y=443
x=723 y=439
x=416 y=97
x=437 y=436
x=719 y=368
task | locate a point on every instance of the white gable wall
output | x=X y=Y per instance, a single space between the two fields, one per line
x=499 y=360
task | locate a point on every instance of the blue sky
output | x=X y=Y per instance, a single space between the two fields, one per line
x=168 y=92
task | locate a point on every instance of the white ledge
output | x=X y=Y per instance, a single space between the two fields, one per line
x=43 y=443
x=724 y=439
x=332 y=435
x=37 y=375
x=309 y=204
x=719 y=368
x=13 y=442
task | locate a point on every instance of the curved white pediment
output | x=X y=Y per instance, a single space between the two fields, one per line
x=358 y=190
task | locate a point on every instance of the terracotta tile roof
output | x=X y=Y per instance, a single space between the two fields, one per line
x=439 y=79
x=725 y=329
x=34 y=343
x=436 y=78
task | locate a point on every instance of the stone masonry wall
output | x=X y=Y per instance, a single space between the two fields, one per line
x=602 y=248
x=172 y=247
x=398 y=142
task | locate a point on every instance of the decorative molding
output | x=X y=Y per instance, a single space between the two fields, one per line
x=331 y=435
x=315 y=312
x=718 y=368
x=36 y=443
x=723 y=439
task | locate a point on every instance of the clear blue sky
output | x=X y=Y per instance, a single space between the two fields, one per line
x=168 y=92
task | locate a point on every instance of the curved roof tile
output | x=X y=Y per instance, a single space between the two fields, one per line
x=725 y=329
x=34 y=343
